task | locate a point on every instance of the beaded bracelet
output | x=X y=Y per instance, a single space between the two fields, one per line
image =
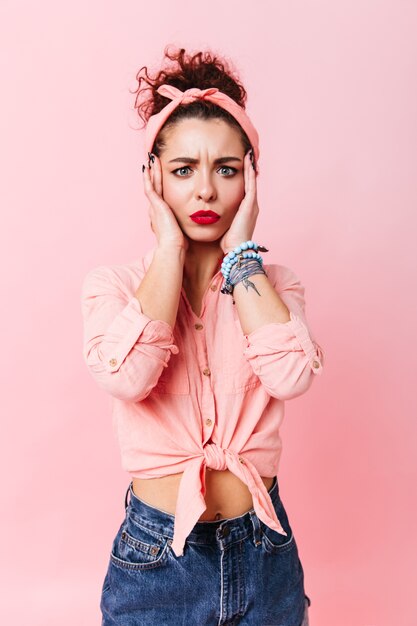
x=249 y=268
x=239 y=255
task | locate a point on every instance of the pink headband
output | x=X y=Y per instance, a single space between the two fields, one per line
x=214 y=95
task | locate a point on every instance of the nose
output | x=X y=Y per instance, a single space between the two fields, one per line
x=204 y=187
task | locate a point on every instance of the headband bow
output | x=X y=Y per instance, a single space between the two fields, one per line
x=189 y=95
x=171 y=92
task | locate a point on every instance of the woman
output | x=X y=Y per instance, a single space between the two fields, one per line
x=200 y=343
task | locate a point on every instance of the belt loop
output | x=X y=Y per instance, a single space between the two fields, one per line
x=127 y=492
x=257 y=531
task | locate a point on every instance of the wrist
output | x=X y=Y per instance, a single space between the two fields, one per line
x=171 y=253
x=231 y=246
x=244 y=245
x=244 y=254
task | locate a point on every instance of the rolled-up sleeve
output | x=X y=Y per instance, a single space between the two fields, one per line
x=124 y=349
x=284 y=355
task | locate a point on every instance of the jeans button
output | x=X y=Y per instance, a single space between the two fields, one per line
x=226 y=531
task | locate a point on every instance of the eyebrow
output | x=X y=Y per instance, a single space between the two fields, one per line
x=190 y=160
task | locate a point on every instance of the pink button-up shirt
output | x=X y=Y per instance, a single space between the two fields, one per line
x=202 y=394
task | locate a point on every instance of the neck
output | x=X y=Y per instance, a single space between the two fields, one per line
x=202 y=261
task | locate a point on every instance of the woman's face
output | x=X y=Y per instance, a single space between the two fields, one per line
x=202 y=169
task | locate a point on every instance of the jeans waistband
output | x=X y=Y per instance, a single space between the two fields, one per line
x=204 y=531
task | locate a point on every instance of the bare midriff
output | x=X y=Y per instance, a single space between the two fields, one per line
x=226 y=495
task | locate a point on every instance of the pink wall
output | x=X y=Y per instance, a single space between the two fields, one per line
x=332 y=91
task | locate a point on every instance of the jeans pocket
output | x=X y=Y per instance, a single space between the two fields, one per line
x=274 y=541
x=138 y=547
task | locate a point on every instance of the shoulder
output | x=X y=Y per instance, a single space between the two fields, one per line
x=122 y=277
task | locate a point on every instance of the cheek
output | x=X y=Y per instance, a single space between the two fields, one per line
x=234 y=194
x=172 y=193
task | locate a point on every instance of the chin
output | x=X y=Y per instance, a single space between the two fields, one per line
x=207 y=233
x=205 y=238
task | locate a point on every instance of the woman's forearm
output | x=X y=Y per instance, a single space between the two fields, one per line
x=160 y=288
x=255 y=310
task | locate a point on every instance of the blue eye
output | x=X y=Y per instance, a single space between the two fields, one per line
x=233 y=170
x=184 y=167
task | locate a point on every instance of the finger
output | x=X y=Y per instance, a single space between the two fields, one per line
x=250 y=181
x=247 y=170
x=145 y=176
x=152 y=173
x=150 y=192
x=250 y=187
x=254 y=163
x=157 y=175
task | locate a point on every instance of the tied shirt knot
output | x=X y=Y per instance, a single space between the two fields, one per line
x=215 y=457
x=191 y=503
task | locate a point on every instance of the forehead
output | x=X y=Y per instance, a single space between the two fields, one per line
x=190 y=136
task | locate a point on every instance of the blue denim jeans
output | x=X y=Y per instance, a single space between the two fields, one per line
x=233 y=571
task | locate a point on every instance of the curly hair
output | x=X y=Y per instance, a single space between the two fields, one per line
x=201 y=70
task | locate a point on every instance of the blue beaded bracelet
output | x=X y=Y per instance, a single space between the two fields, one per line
x=239 y=252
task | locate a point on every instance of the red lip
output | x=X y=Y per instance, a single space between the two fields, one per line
x=204 y=214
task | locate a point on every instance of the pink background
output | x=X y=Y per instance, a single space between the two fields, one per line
x=332 y=91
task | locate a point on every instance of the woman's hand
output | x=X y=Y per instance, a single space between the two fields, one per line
x=243 y=225
x=163 y=221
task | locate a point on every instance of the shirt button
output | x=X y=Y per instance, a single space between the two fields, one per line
x=113 y=362
x=206 y=371
x=213 y=287
x=198 y=326
x=208 y=421
x=316 y=364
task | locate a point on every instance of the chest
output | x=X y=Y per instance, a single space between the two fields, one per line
x=211 y=346
x=195 y=300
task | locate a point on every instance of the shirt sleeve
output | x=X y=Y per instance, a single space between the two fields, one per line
x=124 y=349
x=284 y=355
